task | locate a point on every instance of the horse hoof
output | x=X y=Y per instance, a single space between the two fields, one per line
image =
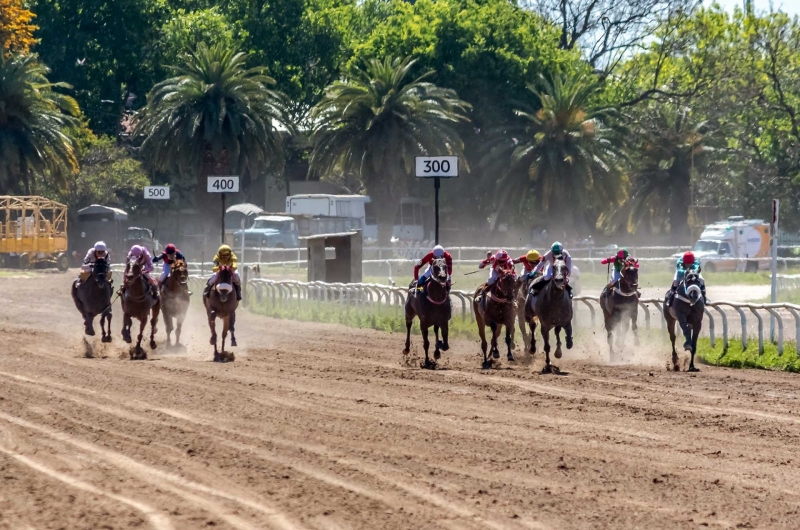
x=213 y=340
x=569 y=343
x=486 y=365
x=217 y=358
x=406 y=351
x=89 y=331
x=233 y=341
x=496 y=354
x=548 y=369
x=437 y=355
x=445 y=346
x=427 y=364
x=127 y=339
x=153 y=345
x=676 y=368
x=558 y=353
x=107 y=338
x=510 y=357
x=687 y=346
x=693 y=369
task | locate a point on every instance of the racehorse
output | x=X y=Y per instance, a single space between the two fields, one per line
x=687 y=310
x=138 y=302
x=621 y=304
x=221 y=303
x=523 y=286
x=175 y=299
x=553 y=307
x=93 y=297
x=495 y=306
x=432 y=306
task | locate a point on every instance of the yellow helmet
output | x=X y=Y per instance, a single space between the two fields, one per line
x=533 y=255
x=224 y=250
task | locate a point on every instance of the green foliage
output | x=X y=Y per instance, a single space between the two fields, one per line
x=186 y=30
x=33 y=116
x=735 y=357
x=373 y=124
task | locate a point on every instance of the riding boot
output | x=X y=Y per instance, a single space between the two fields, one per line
x=238 y=289
x=569 y=290
x=670 y=295
x=206 y=291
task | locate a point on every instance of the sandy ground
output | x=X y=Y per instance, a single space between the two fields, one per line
x=321 y=426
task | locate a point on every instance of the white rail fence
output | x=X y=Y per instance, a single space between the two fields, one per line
x=377 y=299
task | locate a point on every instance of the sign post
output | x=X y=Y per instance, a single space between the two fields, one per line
x=222 y=185
x=774 y=238
x=436 y=167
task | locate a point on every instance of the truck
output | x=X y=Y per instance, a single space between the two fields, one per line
x=33 y=232
x=283 y=231
x=733 y=244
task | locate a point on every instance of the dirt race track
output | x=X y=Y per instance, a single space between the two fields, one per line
x=319 y=426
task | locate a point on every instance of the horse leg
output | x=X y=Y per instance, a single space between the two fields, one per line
x=88 y=324
x=522 y=327
x=178 y=326
x=425 y=344
x=140 y=353
x=105 y=323
x=232 y=328
x=548 y=369
x=495 y=329
x=635 y=325
x=154 y=326
x=695 y=334
x=558 y=352
x=509 y=329
x=671 y=330
x=445 y=332
x=609 y=323
x=226 y=323
x=687 y=331
x=482 y=334
x=127 y=323
x=168 y=328
x=436 y=353
x=532 y=324
x=409 y=322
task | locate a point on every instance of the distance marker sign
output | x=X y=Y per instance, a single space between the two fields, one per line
x=156 y=192
x=223 y=184
x=437 y=166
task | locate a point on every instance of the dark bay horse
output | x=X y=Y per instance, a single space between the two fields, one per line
x=138 y=302
x=221 y=304
x=496 y=310
x=687 y=310
x=553 y=307
x=620 y=305
x=175 y=299
x=93 y=297
x=432 y=306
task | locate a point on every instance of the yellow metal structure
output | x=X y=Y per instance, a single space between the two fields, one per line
x=33 y=228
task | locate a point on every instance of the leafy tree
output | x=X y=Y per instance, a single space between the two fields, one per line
x=16 y=30
x=33 y=117
x=374 y=122
x=186 y=30
x=214 y=117
x=565 y=151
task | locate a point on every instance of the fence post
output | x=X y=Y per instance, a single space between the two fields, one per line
x=760 y=329
x=710 y=327
x=780 y=328
x=724 y=318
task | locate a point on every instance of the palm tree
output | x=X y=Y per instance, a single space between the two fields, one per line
x=564 y=152
x=33 y=118
x=375 y=122
x=215 y=117
x=670 y=146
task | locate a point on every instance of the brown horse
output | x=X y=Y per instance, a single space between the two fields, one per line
x=495 y=306
x=138 y=302
x=432 y=306
x=93 y=297
x=221 y=304
x=175 y=299
x=620 y=305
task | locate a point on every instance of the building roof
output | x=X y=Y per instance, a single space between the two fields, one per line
x=245 y=208
x=97 y=208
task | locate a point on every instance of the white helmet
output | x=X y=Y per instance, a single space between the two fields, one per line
x=438 y=251
x=100 y=246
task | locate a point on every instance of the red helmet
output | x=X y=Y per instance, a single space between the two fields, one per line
x=170 y=249
x=501 y=256
x=688 y=258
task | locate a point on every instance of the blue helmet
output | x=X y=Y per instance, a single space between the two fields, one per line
x=557 y=248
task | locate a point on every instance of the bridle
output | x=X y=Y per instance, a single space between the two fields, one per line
x=689 y=284
x=630 y=265
x=507 y=298
x=180 y=272
x=559 y=265
x=439 y=276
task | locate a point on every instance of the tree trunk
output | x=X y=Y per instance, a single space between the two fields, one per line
x=680 y=201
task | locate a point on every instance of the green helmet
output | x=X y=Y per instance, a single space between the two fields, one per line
x=557 y=248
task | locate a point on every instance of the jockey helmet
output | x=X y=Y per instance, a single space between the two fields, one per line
x=100 y=246
x=170 y=249
x=501 y=256
x=622 y=253
x=688 y=258
x=557 y=248
x=438 y=251
x=533 y=255
x=224 y=250
x=136 y=251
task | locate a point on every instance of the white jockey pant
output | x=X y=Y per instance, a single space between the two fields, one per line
x=615 y=275
x=494 y=275
x=86 y=267
x=165 y=272
x=236 y=279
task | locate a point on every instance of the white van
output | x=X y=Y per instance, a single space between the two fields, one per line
x=327 y=205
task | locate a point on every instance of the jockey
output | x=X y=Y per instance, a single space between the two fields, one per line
x=170 y=254
x=141 y=255
x=529 y=261
x=500 y=262
x=225 y=258
x=685 y=263
x=548 y=260
x=437 y=252
x=618 y=260
x=98 y=251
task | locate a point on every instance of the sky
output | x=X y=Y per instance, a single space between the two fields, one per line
x=791 y=7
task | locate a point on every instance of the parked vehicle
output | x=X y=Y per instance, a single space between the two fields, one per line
x=99 y=223
x=240 y=216
x=722 y=245
x=269 y=231
x=143 y=237
x=33 y=232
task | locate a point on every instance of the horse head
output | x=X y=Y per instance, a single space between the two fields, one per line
x=439 y=271
x=630 y=273
x=506 y=285
x=100 y=272
x=691 y=286
x=180 y=271
x=224 y=284
x=559 y=273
